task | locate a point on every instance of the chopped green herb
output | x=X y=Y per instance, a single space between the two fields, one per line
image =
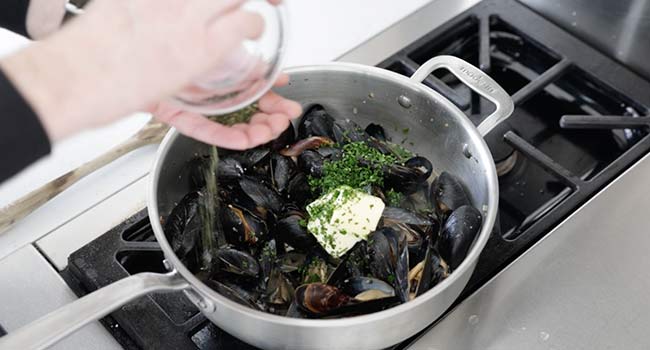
x=405 y=131
x=394 y=198
x=359 y=165
x=391 y=278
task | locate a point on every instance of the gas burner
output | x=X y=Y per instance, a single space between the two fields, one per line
x=505 y=166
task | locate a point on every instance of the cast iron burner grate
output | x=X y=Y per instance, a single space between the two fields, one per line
x=155 y=321
x=579 y=122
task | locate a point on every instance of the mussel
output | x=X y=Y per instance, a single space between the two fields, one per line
x=292 y=230
x=235 y=293
x=320 y=298
x=240 y=226
x=447 y=194
x=183 y=226
x=262 y=195
x=298 y=190
x=389 y=259
x=367 y=288
x=354 y=263
x=282 y=170
x=316 y=122
x=235 y=262
x=279 y=290
x=311 y=163
x=458 y=233
x=346 y=131
x=377 y=131
x=406 y=178
x=427 y=273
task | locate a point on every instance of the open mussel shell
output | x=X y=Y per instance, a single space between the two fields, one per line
x=377 y=131
x=279 y=290
x=352 y=264
x=427 y=273
x=389 y=259
x=311 y=162
x=447 y=194
x=240 y=226
x=458 y=233
x=408 y=177
x=183 y=225
x=367 y=288
x=320 y=298
x=235 y=262
x=298 y=190
x=235 y=293
x=262 y=195
x=291 y=231
x=346 y=131
x=282 y=170
x=292 y=261
x=316 y=122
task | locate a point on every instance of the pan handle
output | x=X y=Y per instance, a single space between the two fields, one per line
x=476 y=80
x=60 y=323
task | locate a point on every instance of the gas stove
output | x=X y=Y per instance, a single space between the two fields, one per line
x=578 y=125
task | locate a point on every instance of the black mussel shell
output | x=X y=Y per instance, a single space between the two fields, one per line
x=320 y=298
x=235 y=293
x=311 y=162
x=251 y=157
x=422 y=164
x=447 y=194
x=286 y=138
x=236 y=262
x=427 y=273
x=316 y=122
x=228 y=168
x=354 y=263
x=282 y=170
x=242 y=227
x=346 y=131
x=389 y=258
x=298 y=190
x=330 y=153
x=262 y=195
x=458 y=233
x=279 y=290
x=407 y=178
x=183 y=225
x=404 y=216
x=296 y=311
x=377 y=131
x=291 y=230
x=310 y=143
x=292 y=261
x=367 y=288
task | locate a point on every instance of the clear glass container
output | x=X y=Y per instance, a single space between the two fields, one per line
x=247 y=73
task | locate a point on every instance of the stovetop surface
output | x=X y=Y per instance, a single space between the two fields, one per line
x=547 y=171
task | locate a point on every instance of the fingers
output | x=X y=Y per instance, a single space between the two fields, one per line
x=275 y=2
x=262 y=129
x=274 y=103
x=283 y=79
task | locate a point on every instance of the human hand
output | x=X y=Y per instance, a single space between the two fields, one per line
x=275 y=115
x=121 y=56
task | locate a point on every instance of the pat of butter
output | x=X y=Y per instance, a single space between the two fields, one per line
x=342 y=217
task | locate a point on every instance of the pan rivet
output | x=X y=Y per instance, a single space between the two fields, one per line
x=466 y=152
x=404 y=101
x=167 y=265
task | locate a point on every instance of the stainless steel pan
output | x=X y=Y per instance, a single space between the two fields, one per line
x=439 y=132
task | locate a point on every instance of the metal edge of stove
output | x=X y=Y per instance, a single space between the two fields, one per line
x=575 y=299
x=401 y=34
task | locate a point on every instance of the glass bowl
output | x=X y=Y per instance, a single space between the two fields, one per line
x=247 y=73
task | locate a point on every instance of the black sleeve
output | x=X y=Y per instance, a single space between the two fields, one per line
x=13 y=15
x=22 y=137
